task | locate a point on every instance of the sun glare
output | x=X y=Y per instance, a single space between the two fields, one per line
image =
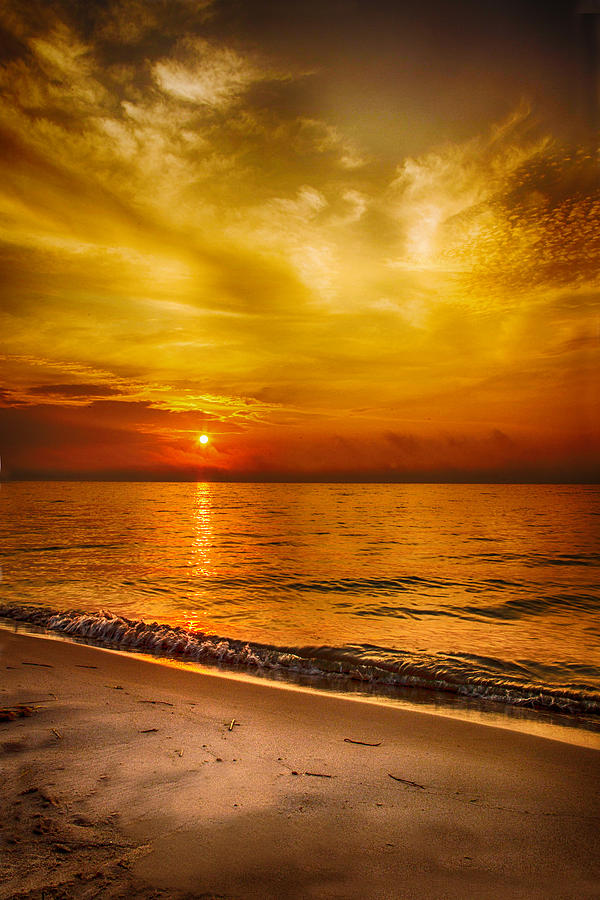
x=203 y=439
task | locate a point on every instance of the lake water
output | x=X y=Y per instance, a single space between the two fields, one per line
x=478 y=591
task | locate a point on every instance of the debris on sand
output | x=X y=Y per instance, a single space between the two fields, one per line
x=157 y=702
x=405 y=781
x=9 y=713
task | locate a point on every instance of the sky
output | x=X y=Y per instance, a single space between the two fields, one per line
x=346 y=240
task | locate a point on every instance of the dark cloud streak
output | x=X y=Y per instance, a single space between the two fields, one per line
x=75 y=391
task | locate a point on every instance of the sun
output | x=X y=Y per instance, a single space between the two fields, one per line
x=203 y=439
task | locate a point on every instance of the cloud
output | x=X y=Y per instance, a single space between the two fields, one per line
x=454 y=183
x=407 y=444
x=81 y=391
x=508 y=211
x=132 y=22
x=61 y=55
x=133 y=413
x=205 y=74
x=459 y=450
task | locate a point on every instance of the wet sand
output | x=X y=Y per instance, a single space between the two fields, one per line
x=127 y=779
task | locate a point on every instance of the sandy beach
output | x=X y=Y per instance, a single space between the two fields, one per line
x=126 y=778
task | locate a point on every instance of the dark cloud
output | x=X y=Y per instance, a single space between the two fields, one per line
x=131 y=413
x=59 y=432
x=439 y=449
x=7 y=398
x=406 y=443
x=75 y=391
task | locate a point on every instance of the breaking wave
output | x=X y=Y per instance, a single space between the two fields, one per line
x=521 y=684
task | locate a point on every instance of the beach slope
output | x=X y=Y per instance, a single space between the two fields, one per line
x=128 y=778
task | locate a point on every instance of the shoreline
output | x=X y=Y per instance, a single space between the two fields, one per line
x=440 y=680
x=550 y=726
x=128 y=780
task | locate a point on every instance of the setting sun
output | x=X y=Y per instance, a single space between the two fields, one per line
x=203 y=439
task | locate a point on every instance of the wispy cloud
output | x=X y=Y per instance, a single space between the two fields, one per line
x=205 y=74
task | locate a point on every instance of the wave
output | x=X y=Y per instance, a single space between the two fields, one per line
x=463 y=675
x=55 y=548
x=536 y=560
x=519 y=607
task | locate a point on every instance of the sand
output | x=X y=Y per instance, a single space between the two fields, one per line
x=127 y=781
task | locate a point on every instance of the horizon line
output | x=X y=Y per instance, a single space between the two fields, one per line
x=353 y=481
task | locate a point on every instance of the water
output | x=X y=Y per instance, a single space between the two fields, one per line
x=489 y=591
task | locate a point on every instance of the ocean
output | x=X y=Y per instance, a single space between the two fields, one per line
x=462 y=594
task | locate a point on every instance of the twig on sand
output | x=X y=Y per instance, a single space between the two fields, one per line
x=318 y=775
x=362 y=743
x=43 y=665
x=57 y=733
x=230 y=725
x=81 y=666
x=148 y=730
x=157 y=702
x=405 y=781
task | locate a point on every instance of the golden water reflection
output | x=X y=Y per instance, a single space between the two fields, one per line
x=201 y=559
x=202 y=542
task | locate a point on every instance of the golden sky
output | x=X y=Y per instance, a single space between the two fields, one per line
x=345 y=240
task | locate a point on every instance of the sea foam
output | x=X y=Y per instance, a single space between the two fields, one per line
x=457 y=674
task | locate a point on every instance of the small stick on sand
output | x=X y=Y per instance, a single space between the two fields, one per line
x=318 y=775
x=43 y=665
x=148 y=730
x=231 y=724
x=81 y=666
x=157 y=702
x=405 y=781
x=362 y=743
x=57 y=733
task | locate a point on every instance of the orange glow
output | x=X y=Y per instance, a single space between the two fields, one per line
x=217 y=226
